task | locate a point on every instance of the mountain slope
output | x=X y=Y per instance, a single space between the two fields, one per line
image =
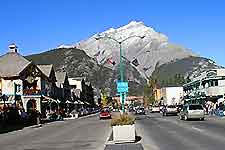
x=154 y=53
x=77 y=63
x=188 y=68
x=153 y=49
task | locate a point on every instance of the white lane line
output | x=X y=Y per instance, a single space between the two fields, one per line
x=197 y=129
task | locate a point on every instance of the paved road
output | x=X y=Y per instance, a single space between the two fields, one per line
x=170 y=133
x=81 y=134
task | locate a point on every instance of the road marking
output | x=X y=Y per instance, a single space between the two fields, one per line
x=197 y=129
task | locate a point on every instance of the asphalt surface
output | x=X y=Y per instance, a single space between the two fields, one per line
x=170 y=133
x=80 y=134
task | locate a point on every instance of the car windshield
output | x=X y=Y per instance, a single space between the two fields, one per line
x=105 y=110
x=195 y=107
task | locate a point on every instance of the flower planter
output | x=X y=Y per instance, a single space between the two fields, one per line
x=124 y=133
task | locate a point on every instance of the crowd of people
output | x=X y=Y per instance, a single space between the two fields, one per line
x=217 y=108
x=12 y=115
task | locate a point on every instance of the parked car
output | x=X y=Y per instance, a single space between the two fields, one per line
x=105 y=114
x=192 y=111
x=155 y=109
x=170 y=110
x=140 y=111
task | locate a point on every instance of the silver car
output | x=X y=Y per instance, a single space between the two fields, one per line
x=192 y=111
x=170 y=110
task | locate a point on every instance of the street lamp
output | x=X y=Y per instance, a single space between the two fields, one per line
x=122 y=94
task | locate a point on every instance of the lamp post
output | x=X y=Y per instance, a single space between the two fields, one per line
x=122 y=94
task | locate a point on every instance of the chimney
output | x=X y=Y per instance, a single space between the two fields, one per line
x=12 y=48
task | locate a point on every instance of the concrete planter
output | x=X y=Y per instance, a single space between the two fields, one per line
x=124 y=133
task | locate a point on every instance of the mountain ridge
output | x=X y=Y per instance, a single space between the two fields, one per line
x=153 y=55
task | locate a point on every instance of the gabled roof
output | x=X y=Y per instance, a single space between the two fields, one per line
x=46 y=69
x=12 y=64
x=88 y=83
x=60 y=77
x=73 y=81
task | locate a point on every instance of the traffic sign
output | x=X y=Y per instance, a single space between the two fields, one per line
x=122 y=87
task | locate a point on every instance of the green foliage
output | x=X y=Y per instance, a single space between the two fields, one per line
x=123 y=120
x=77 y=63
x=151 y=99
x=173 y=73
x=104 y=98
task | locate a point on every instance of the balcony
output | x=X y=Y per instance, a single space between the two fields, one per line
x=31 y=92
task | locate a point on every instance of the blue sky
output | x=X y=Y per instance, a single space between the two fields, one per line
x=39 y=25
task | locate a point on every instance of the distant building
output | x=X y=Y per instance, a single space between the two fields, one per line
x=171 y=95
x=63 y=87
x=208 y=86
x=82 y=90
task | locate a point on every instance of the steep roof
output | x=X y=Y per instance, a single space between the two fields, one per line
x=60 y=77
x=88 y=83
x=46 y=69
x=12 y=64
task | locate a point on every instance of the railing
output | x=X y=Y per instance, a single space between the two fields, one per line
x=31 y=92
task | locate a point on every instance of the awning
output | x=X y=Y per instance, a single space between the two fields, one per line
x=68 y=102
x=80 y=102
x=48 y=99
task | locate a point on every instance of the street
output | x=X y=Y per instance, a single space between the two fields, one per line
x=90 y=133
x=87 y=133
x=170 y=133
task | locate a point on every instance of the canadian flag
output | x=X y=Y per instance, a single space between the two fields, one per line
x=110 y=61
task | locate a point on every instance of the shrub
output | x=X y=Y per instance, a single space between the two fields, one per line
x=123 y=120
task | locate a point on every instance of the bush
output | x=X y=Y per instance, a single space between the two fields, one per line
x=123 y=120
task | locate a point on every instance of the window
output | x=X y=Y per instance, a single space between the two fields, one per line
x=195 y=107
x=216 y=83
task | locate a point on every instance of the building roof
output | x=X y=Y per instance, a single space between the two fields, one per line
x=73 y=81
x=46 y=69
x=60 y=77
x=78 y=78
x=88 y=83
x=12 y=64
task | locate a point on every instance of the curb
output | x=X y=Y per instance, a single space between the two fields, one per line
x=107 y=142
x=82 y=117
x=33 y=126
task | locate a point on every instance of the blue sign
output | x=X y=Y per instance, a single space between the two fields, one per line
x=122 y=87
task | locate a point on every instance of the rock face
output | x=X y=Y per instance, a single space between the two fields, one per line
x=77 y=63
x=154 y=49
x=153 y=54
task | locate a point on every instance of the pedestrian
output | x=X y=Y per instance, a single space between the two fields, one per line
x=24 y=116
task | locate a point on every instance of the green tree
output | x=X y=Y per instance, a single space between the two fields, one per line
x=104 y=100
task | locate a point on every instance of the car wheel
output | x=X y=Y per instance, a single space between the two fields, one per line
x=181 y=118
x=202 y=119
x=185 y=118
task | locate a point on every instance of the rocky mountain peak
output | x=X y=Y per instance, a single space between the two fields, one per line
x=153 y=50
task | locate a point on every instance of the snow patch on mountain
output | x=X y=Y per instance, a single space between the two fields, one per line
x=154 y=49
